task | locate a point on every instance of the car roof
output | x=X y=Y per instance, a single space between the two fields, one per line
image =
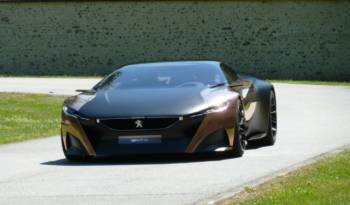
x=172 y=63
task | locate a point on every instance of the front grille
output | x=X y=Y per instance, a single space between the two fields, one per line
x=139 y=124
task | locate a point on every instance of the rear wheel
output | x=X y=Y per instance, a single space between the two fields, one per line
x=270 y=138
x=239 y=141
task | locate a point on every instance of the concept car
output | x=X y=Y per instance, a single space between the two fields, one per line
x=169 y=107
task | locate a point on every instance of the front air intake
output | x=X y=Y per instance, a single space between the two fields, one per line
x=139 y=124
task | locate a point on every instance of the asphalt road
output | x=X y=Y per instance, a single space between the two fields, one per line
x=55 y=86
x=312 y=120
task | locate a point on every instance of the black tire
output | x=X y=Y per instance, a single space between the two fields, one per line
x=270 y=138
x=239 y=141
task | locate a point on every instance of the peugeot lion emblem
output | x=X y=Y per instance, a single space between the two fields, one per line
x=138 y=123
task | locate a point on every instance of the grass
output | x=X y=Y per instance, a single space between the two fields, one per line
x=310 y=82
x=28 y=116
x=326 y=181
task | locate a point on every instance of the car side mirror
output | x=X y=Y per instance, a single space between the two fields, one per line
x=236 y=84
x=90 y=91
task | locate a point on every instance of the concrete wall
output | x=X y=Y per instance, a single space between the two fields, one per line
x=270 y=39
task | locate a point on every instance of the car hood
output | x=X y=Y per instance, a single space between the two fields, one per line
x=146 y=102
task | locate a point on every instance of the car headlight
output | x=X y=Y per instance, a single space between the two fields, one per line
x=214 y=109
x=69 y=111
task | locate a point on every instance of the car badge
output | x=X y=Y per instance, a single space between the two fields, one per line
x=138 y=124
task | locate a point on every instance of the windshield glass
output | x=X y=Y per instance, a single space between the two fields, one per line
x=163 y=76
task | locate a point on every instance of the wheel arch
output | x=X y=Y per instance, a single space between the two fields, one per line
x=258 y=125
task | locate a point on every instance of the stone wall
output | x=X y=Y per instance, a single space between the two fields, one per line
x=269 y=39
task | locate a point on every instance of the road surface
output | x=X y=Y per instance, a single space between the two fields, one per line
x=311 y=120
x=48 y=85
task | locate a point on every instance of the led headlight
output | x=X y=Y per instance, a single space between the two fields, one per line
x=69 y=111
x=214 y=109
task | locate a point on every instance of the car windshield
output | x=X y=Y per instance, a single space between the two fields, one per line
x=162 y=76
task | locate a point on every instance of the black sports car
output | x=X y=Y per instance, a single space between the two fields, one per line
x=169 y=107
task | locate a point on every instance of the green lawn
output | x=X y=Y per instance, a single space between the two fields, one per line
x=27 y=116
x=325 y=182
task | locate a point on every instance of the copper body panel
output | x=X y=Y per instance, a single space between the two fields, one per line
x=214 y=121
x=72 y=126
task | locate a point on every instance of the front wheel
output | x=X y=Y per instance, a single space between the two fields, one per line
x=270 y=138
x=239 y=140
